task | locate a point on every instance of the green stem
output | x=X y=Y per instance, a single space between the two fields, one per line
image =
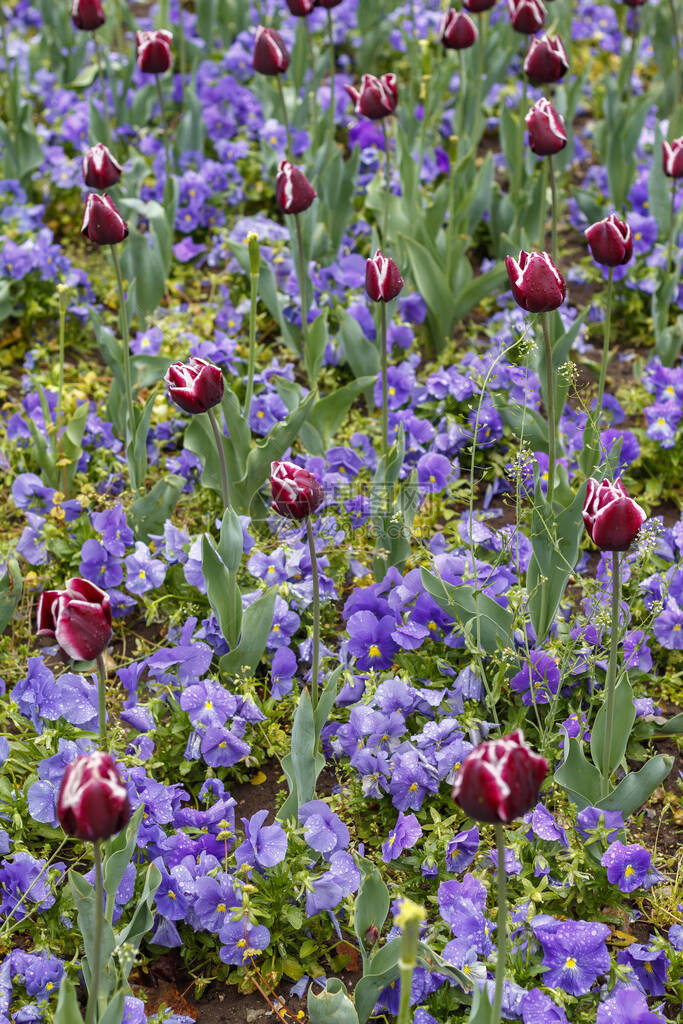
x=333 y=71
x=635 y=28
x=96 y=966
x=100 y=75
x=167 y=138
x=553 y=194
x=460 y=124
x=125 y=341
x=385 y=389
x=677 y=65
x=302 y=285
x=605 y=344
x=285 y=119
x=611 y=674
x=63 y=299
x=182 y=55
x=221 y=457
x=314 y=86
x=481 y=55
x=550 y=399
x=102 y=701
x=517 y=170
x=670 y=258
x=450 y=230
x=387 y=180
x=315 y=657
x=254 y=279
x=501 y=931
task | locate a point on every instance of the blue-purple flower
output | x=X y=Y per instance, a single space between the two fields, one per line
x=265 y=845
x=403 y=835
x=574 y=952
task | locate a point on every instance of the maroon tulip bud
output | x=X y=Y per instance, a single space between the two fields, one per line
x=296 y=492
x=546 y=60
x=458 y=31
x=78 y=618
x=610 y=241
x=300 y=8
x=500 y=780
x=154 y=51
x=93 y=801
x=527 y=16
x=327 y=4
x=87 y=14
x=634 y=3
x=672 y=158
x=102 y=222
x=537 y=284
x=547 y=133
x=271 y=56
x=376 y=98
x=478 y=6
x=371 y=935
x=100 y=169
x=383 y=279
x=195 y=386
x=293 y=191
x=612 y=518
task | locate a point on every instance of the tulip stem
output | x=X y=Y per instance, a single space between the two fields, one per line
x=333 y=71
x=100 y=75
x=670 y=258
x=102 y=701
x=284 y=117
x=635 y=28
x=182 y=55
x=313 y=94
x=553 y=196
x=254 y=280
x=167 y=140
x=315 y=654
x=501 y=930
x=550 y=401
x=96 y=966
x=221 y=457
x=460 y=126
x=63 y=299
x=481 y=55
x=677 y=65
x=611 y=673
x=125 y=341
x=605 y=345
x=302 y=286
x=385 y=388
x=387 y=180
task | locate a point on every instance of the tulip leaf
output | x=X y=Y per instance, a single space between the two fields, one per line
x=637 y=787
x=268 y=294
x=646 y=728
x=118 y=852
x=362 y=357
x=481 y=1011
x=257 y=622
x=68 y=1010
x=114 y=1012
x=149 y=512
x=222 y=591
x=304 y=763
x=326 y=701
x=488 y=624
x=372 y=904
x=578 y=777
x=231 y=541
x=315 y=348
x=624 y=717
x=478 y=288
x=380 y=971
x=11 y=589
x=83 y=894
x=659 y=187
x=332 y=1005
x=431 y=282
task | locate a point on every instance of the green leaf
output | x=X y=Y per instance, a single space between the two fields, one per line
x=222 y=591
x=659 y=187
x=11 y=589
x=136 y=450
x=148 y=513
x=118 y=852
x=372 y=904
x=430 y=281
x=231 y=542
x=578 y=777
x=329 y=412
x=326 y=700
x=303 y=764
x=315 y=348
x=645 y=728
x=83 y=894
x=624 y=717
x=68 y=1011
x=380 y=971
x=481 y=1011
x=332 y=1005
x=481 y=617
x=637 y=787
x=114 y=1012
x=257 y=622
x=361 y=354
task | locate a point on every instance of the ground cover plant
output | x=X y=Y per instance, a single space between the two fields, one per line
x=341 y=581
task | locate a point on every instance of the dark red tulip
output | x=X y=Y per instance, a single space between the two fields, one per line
x=293 y=191
x=383 y=279
x=527 y=16
x=672 y=158
x=296 y=492
x=634 y=3
x=300 y=8
x=612 y=518
x=458 y=31
x=78 y=618
x=537 y=284
x=102 y=222
x=478 y=6
x=100 y=169
x=93 y=801
x=87 y=14
x=327 y=4
x=610 y=241
x=376 y=98
x=195 y=386
x=546 y=60
x=547 y=133
x=154 y=51
x=500 y=780
x=271 y=56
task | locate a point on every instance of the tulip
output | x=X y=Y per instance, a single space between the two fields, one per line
x=612 y=518
x=327 y=4
x=527 y=16
x=537 y=284
x=478 y=6
x=672 y=158
x=154 y=51
x=87 y=15
x=610 y=241
x=196 y=386
x=458 y=31
x=102 y=222
x=296 y=495
x=546 y=61
x=93 y=801
x=499 y=781
x=300 y=8
x=100 y=169
x=547 y=132
x=383 y=280
x=271 y=56
x=376 y=98
x=293 y=191
x=78 y=618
